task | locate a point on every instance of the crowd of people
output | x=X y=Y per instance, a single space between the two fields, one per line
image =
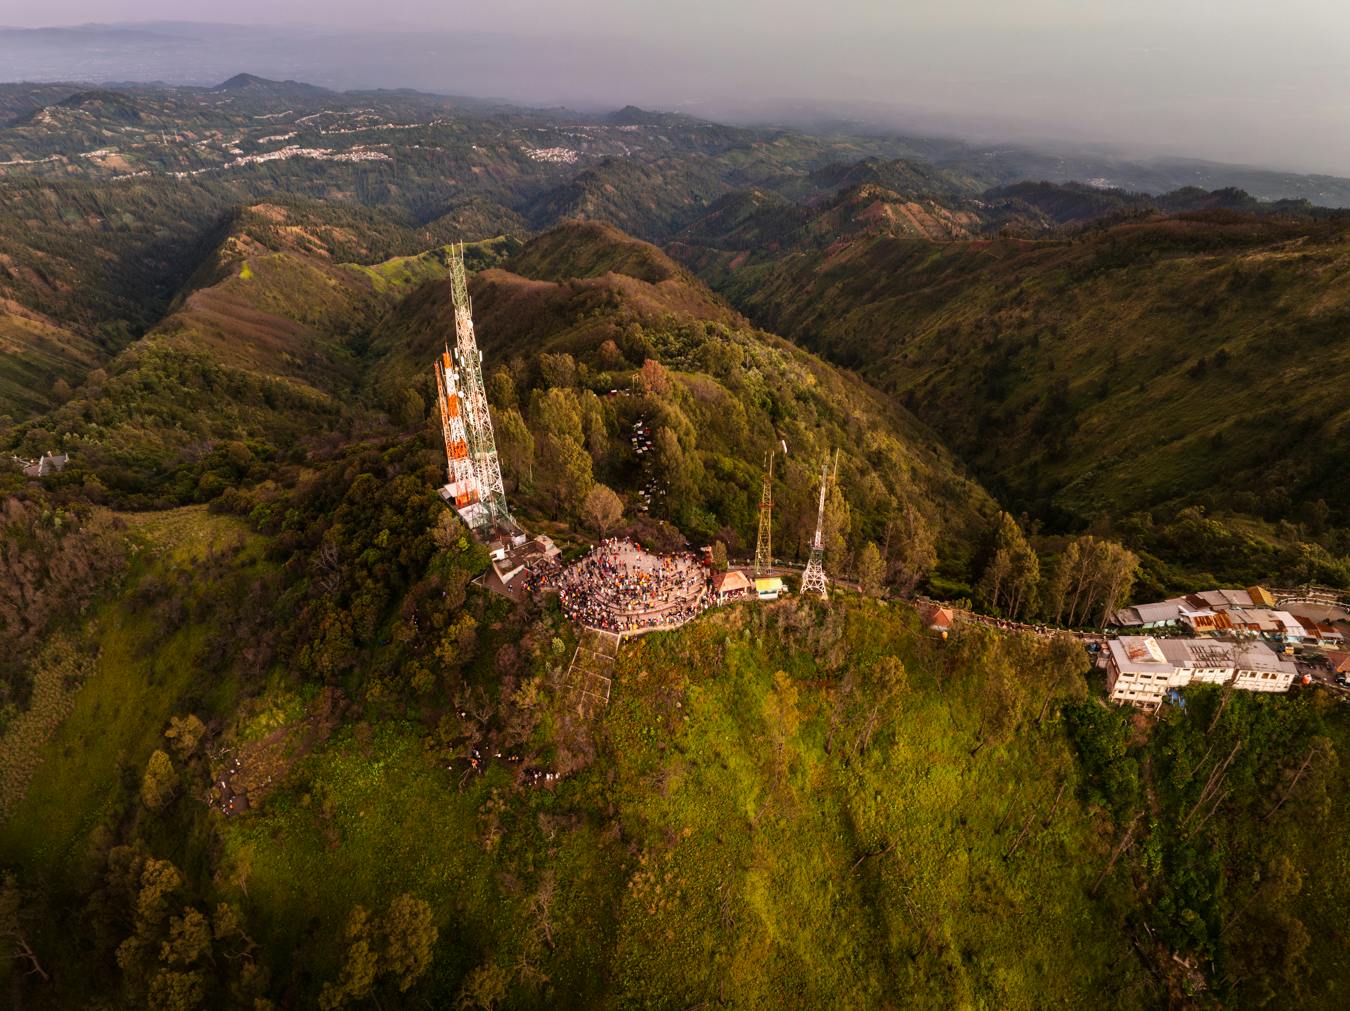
x=619 y=587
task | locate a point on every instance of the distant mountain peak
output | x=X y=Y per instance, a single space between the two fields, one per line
x=632 y=115
x=264 y=85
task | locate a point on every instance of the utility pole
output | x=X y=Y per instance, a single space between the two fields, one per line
x=813 y=578
x=482 y=443
x=764 y=546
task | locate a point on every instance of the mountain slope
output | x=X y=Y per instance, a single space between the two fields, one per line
x=36 y=353
x=1148 y=362
x=655 y=197
x=563 y=315
x=259 y=352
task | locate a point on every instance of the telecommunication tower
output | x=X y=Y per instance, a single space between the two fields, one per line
x=764 y=546
x=473 y=394
x=813 y=578
x=463 y=486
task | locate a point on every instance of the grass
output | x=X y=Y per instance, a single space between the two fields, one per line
x=372 y=816
x=407 y=272
x=843 y=883
x=134 y=686
x=692 y=863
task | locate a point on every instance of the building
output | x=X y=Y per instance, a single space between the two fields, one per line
x=1209 y=612
x=1320 y=633
x=1164 y=614
x=938 y=618
x=732 y=585
x=1261 y=597
x=1137 y=672
x=1260 y=669
x=511 y=557
x=1141 y=670
x=768 y=587
x=50 y=463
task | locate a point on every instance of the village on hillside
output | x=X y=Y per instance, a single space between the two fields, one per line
x=1251 y=638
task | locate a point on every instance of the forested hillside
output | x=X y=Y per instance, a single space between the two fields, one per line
x=267 y=742
x=596 y=333
x=1144 y=365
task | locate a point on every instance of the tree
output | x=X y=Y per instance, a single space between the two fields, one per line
x=719 y=556
x=412 y=409
x=558 y=370
x=609 y=357
x=871 y=569
x=189 y=939
x=397 y=945
x=1063 y=667
x=501 y=389
x=158 y=880
x=515 y=446
x=782 y=716
x=1011 y=578
x=160 y=782
x=184 y=734
x=911 y=549
x=12 y=930
x=1091 y=576
x=889 y=681
x=360 y=965
x=563 y=455
x=680 y=466
x=838 y=523
x=484 y=988
x=176 y=991
x=410 y=935
x=653 y=378
x=602 y=508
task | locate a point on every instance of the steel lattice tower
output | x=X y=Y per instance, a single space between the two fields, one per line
x=463 y=480
x=813 y=578
x=482 y=443
x=764 y=546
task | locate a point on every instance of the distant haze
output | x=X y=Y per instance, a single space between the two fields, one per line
x=1249 y=81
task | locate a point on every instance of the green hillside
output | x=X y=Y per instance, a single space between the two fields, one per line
x=268 y=742
x=1148 y=364
x=570 y=321
x=872 y=815
x=36 y=354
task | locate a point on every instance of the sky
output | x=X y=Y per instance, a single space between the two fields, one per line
x=1252 y=81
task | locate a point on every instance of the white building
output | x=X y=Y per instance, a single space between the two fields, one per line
x=1140 y=670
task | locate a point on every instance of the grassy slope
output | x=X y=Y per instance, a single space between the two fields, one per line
x=137 y=681
x=688 y=867
x=34 y=353
x=1061 y=370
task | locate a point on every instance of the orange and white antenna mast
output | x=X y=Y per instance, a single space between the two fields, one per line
x=459 y=463
x=482 y=442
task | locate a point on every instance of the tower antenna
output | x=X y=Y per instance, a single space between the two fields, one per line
x=482 y=442
x=764 y=546
x=813 y=578
x=463 y=487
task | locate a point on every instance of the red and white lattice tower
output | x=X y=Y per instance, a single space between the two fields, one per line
x=473 y=396
x=463 y=486
x=813 y=577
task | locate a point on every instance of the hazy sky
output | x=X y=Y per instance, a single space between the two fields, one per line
x=1259 y=81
